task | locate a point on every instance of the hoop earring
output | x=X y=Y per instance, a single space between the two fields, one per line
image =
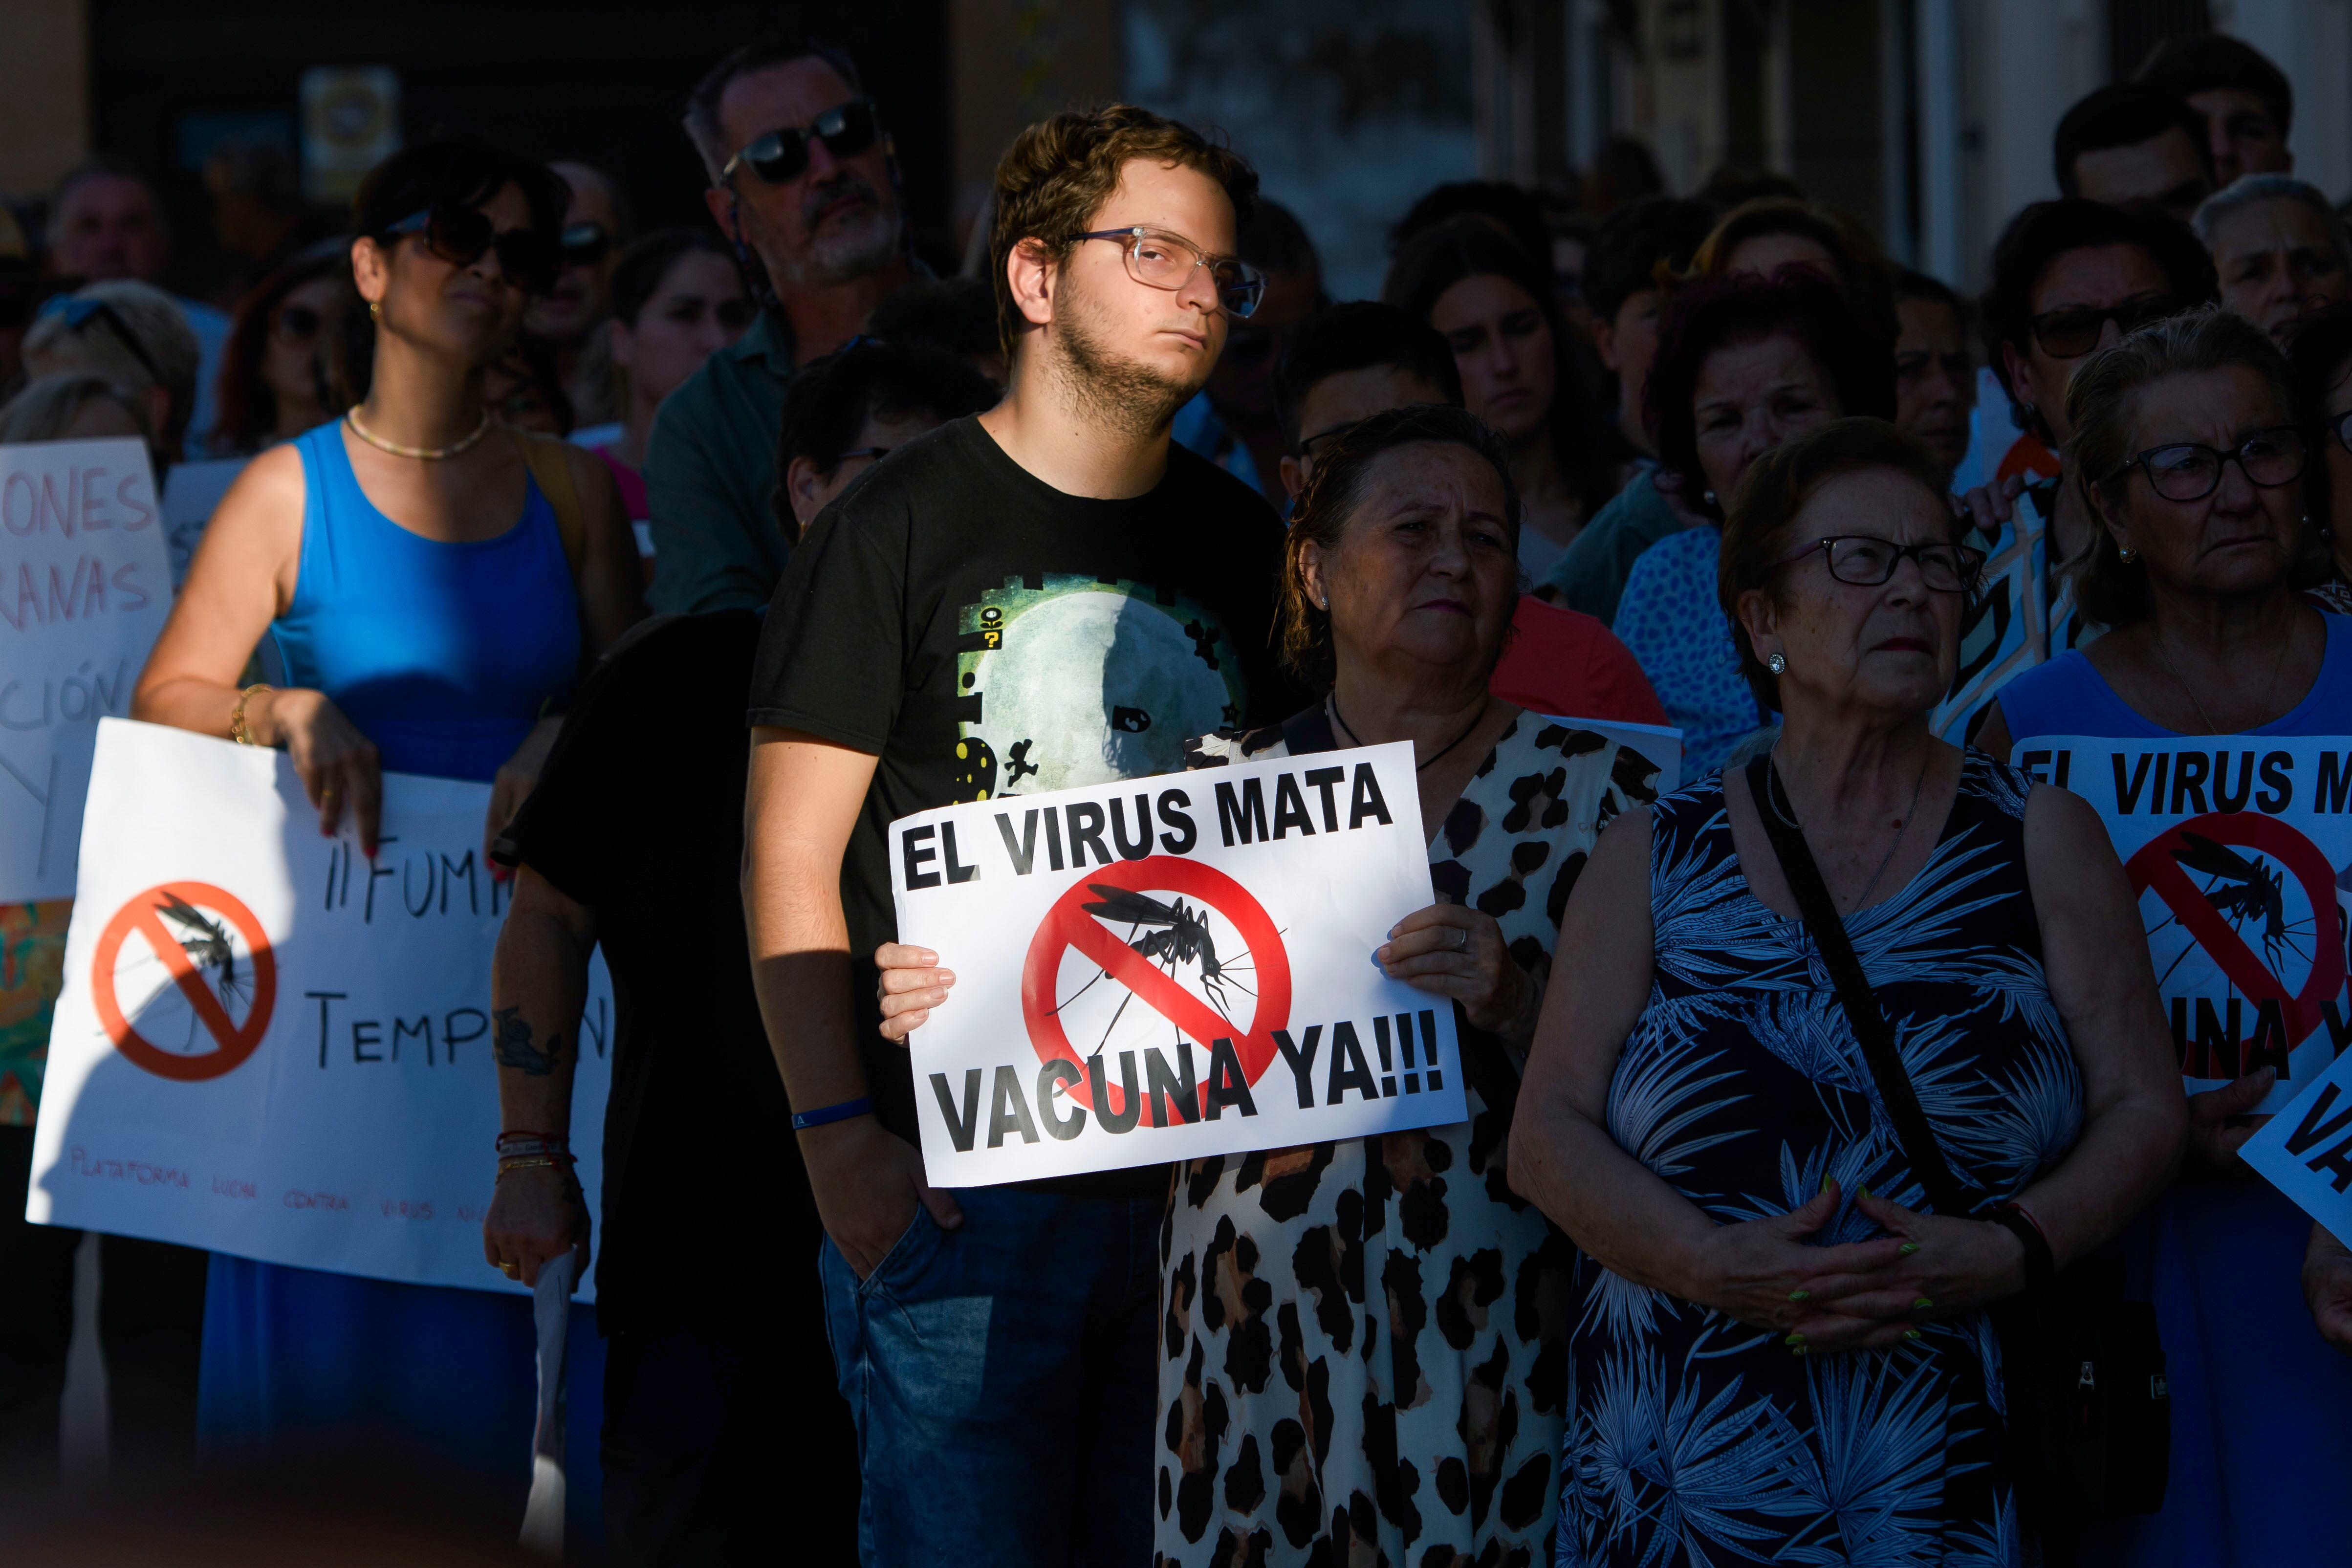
x=1778 y=664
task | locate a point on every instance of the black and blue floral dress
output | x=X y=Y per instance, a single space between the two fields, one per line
x=1695 y=1440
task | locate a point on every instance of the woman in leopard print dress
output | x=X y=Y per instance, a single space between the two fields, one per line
x=1364 y=1351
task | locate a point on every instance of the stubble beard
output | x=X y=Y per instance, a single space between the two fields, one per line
x=1106 y=388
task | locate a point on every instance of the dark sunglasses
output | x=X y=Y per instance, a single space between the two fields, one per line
x=585 y=244
x=299 y=323
x=782 y=156
x=2072 y=334
x=528 y=257
x=77 y=312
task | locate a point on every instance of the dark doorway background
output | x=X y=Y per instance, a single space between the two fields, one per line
x=604 y=82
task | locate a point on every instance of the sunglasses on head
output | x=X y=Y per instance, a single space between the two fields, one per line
x=585 y=244
x=2072 y=334
x=782 y=156
x=528 y=258
x=77 y=312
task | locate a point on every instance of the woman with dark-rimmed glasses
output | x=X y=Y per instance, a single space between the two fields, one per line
x=430 y=602
x=2189 y=455
x=2069 y=278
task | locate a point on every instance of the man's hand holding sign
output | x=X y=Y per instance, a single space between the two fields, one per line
x=1164 y=950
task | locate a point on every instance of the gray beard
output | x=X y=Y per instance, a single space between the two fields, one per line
x=842 y=257
x=1127 y=398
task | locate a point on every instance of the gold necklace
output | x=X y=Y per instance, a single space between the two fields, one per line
x=430 y=454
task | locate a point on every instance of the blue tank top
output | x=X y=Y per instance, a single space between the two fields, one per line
x=445 y=655
x=2068 y=697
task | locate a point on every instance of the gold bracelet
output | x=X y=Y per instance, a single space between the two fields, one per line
x=236 y=726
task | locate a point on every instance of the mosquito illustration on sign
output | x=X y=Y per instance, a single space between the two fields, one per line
x=199 y=956
x=1184 y=922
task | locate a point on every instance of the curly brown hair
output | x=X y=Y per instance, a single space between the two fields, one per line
x=1059 y=172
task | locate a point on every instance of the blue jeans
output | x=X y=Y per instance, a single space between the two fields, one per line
x=1002 y=1380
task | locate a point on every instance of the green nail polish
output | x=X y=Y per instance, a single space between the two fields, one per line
x=1863 y=1190
x=1794 y=1339
x=1799 y=1350
x=1826 y=1183
x=1922 y=1304
x=1907 y=1248
x=1910 y=1333
x=1800 y=1295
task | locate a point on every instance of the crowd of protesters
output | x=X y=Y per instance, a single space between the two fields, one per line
x=1690 y=1285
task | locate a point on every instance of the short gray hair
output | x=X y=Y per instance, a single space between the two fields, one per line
x=2249 y=189
x=2103 y=406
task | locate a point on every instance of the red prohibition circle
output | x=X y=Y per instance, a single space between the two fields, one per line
x=1067 y=925
x=2156 y=864
x=233 y=1044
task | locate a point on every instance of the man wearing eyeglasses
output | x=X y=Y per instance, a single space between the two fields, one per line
x=1047 y=595
x=595 y=229
x=801 y=180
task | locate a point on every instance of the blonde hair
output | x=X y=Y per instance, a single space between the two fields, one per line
x=103 y=345
x=46 y=408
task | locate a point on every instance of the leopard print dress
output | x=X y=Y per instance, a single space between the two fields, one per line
x=1365 y=1351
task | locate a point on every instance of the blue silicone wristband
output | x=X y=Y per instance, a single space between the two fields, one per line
x=804 y=1119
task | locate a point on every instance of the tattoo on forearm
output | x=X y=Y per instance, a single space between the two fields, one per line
x=515 y=1047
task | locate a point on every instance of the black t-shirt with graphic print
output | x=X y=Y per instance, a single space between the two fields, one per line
x=985 y=634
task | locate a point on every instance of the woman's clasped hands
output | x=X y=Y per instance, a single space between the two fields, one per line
x=1864 y=1295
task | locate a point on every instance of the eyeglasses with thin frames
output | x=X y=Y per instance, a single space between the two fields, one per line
x=1162 y=260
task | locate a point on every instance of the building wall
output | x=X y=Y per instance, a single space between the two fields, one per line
x=44 y=93
x=1013 y=61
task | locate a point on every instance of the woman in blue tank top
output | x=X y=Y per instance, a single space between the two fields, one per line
x=430 y=610
x=2191 y=428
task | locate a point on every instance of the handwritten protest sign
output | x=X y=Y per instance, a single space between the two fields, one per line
x=2305 y=1151
x=267 y=1045
x=1170 y=967
x=2237 y=848
x=84 y=588
x=192 y=493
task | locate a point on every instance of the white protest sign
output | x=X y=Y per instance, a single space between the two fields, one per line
x=192 y=493
x=2237 y=846
x=267 y=1045
x=85 y=585
x=2305 y=1151
x=1172 y=967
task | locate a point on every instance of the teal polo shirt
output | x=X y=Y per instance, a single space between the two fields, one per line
x=710 y=475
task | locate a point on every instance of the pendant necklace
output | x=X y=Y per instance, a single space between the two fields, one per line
x=1332 y=702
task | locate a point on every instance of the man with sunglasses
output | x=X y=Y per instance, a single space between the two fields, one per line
x=802 y=180
x=595 y=228
x=2069 y=276
x=1043 y=597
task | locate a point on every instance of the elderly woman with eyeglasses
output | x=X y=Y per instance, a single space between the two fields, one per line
x=2189 y=451
x=1363 y=1343
x=1781 y=1352
x=2069 y=278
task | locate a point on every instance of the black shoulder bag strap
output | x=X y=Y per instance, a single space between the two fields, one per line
x=1861 y=1009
